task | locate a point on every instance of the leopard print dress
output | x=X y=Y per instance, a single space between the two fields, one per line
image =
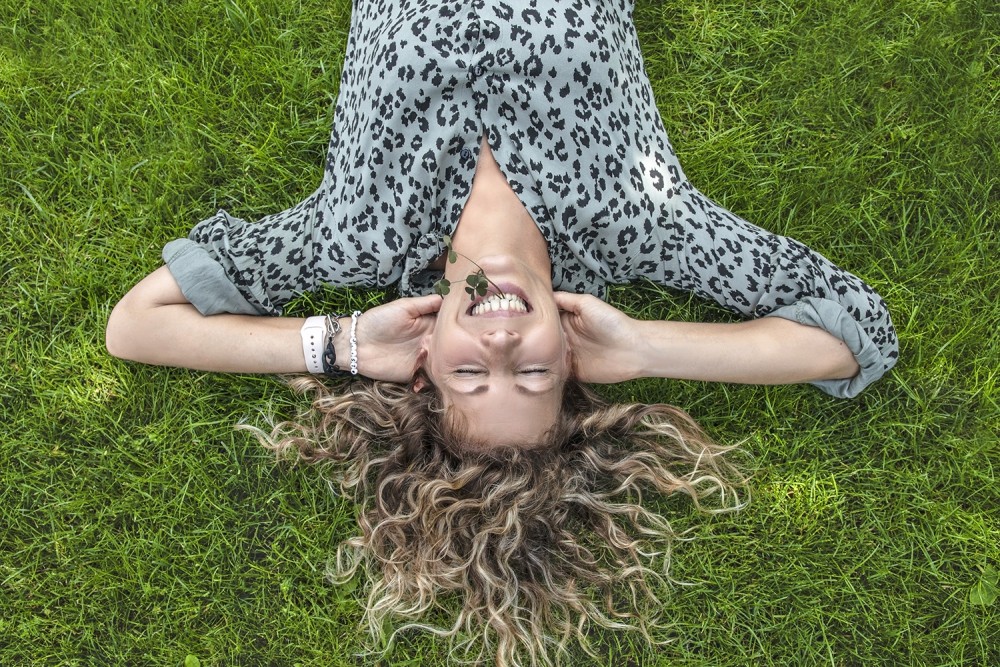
x=559 y=90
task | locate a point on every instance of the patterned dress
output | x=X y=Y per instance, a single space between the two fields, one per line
x=559 y=90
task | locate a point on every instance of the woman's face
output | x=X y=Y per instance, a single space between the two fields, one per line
x=503 y=370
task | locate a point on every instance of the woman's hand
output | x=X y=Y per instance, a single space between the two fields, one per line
x=602 y=338
x=389 y=337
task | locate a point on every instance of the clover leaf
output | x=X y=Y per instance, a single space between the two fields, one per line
x=442 y=287
x=478 y=283
x=986 y=591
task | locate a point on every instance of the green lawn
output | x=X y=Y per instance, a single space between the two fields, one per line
x=137 y=527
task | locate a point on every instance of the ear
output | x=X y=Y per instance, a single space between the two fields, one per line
x=571 y=363
x=419 y=371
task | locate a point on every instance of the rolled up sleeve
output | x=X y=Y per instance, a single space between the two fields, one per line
x=203 y=281
x=873 y=359
x=227 y=265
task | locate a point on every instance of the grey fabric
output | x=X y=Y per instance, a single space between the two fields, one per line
x=203 y=281
x=560 y=92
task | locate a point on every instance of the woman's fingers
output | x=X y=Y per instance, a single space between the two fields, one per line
x=569 y=302
x=417 y=306
x=408 y=308
x=425 y=305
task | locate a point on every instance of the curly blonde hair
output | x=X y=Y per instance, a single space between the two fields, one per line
x=534 y=545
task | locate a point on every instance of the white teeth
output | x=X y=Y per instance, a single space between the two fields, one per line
x=496 y=302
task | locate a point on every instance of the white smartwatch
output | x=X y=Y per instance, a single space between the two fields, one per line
x=313 y=334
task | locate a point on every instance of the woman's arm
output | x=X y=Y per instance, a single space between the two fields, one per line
x=770 y=350
x=609 y=346
x=709 y=251
x=155 y=324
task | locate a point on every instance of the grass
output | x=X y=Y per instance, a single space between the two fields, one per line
x=136 y=527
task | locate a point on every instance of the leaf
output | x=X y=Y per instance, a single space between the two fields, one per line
x=471 y=292
x=452 y=256
x=192 y=661
x=482 y=288
x=472 y=279
x=987 y=589
x=346 y=588
x=446 y=239
x=442 y=287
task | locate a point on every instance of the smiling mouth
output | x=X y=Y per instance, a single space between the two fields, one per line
x=508 y=304
x=497 y=303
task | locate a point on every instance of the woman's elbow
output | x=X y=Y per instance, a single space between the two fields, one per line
x=840 y=363
x=133 y=319
x=117 y=333
x=128 y=325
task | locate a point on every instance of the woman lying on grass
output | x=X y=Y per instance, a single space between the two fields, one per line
x=516 y=152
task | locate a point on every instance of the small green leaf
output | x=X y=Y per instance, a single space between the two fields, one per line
x=345 y=589
x=987 y=589
x=446 y=239
x=471 y=292
x=192 y=661
x=482 y=289
x=442 y=287
x=472 y=279
x=452 y=256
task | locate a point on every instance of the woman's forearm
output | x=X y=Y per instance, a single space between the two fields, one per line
x=155 y=324
x=769 y=350
x=177 y=335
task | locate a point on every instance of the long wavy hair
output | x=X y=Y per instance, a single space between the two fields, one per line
x=532 y=546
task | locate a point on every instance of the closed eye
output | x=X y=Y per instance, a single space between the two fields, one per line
x=476 y=371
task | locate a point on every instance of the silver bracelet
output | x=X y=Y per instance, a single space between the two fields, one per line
x=354 y=342
x=330 y=367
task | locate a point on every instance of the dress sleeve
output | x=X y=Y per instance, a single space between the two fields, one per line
x=227 y=265
x=717 y=255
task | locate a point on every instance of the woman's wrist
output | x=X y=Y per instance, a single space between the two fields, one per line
x=330 y=344
x=635 y=351
x=342 y=345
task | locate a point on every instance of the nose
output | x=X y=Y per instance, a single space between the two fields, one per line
x=501 y=339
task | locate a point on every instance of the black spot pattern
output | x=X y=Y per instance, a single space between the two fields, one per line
x=560 y=92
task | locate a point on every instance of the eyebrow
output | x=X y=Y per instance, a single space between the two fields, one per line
x=483 y=388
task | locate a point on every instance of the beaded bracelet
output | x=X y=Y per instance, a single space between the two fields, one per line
x=354 y=341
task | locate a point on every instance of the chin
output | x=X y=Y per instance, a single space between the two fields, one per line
x=500 y=264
